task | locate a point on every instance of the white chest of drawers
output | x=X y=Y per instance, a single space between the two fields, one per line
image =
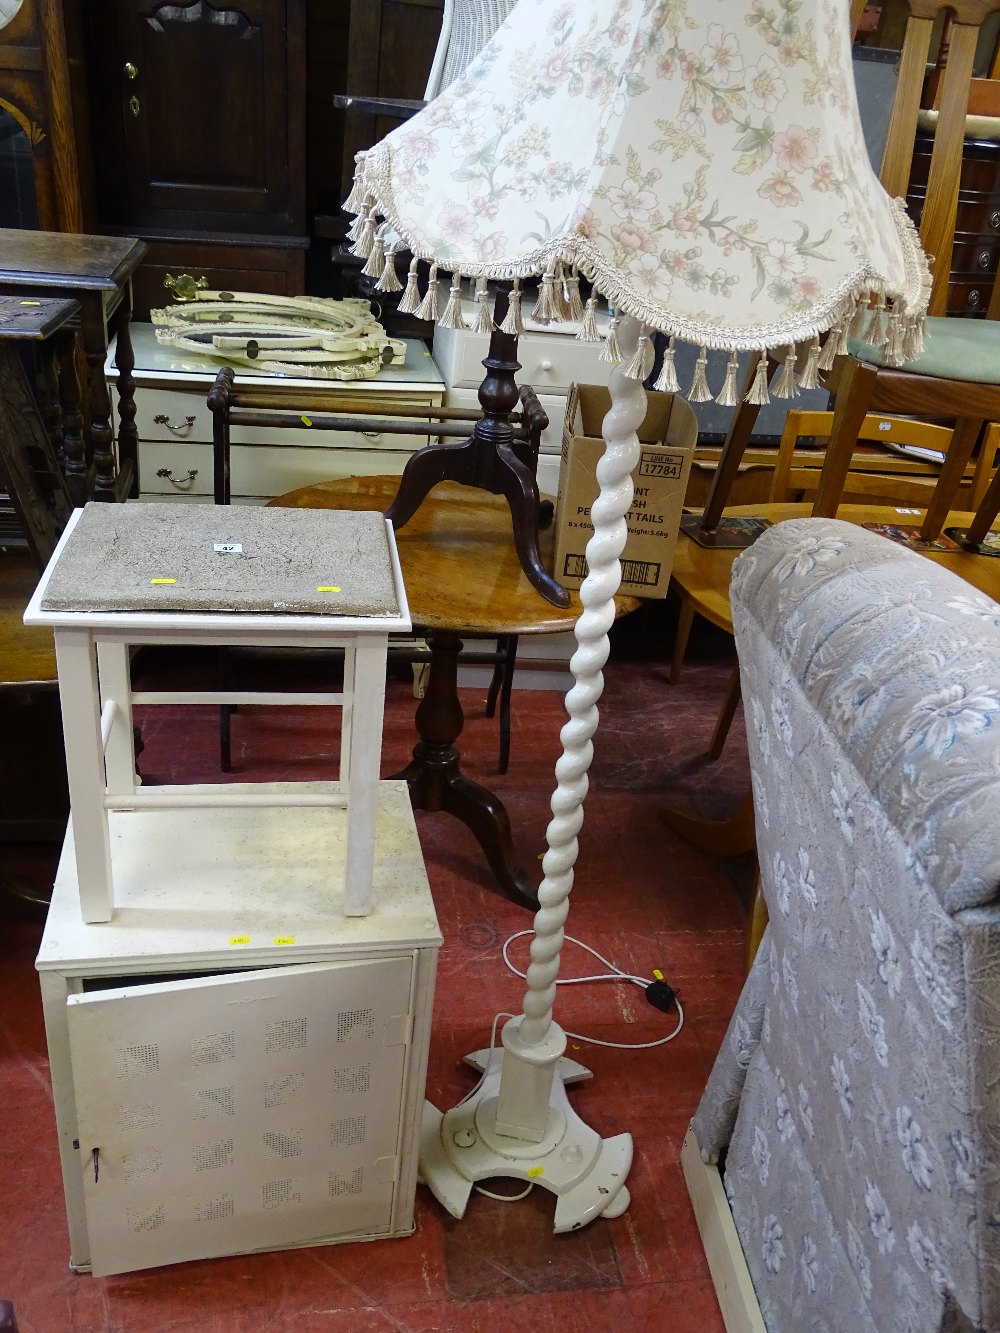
x=175 y=425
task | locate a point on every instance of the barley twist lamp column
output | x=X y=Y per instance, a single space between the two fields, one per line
x=515 y=1121
x=704 y=172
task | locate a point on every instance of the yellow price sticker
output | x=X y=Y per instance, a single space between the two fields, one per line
x=239 y=939
x=156 y=581
x=328 y=587
x=306 y=421
x=284 y=939
x=536 y=1171
x=39 y=303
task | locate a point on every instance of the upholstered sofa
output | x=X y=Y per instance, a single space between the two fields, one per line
x=854 y=1108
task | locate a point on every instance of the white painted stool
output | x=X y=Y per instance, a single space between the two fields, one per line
x=133 y=574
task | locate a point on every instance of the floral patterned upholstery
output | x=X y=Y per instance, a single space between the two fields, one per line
x=856 y=1097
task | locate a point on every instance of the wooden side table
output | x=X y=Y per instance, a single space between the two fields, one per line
x=97 y=272
x=462 y=576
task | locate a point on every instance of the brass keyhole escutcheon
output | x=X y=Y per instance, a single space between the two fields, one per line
x=134 y=107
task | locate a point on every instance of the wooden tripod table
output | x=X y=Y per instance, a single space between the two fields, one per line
x=462 y=576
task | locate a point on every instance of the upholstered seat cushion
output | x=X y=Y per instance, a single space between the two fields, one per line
x=954 y=349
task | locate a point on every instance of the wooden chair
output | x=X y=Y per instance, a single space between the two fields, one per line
x=704 y=575
x=872 y=477
x=957 y=375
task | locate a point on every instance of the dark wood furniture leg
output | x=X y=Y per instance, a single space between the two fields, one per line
x=128 y=434
x=737 y=439
x=30 y=471
x=74 y=449
x=437 y=783
x=101 y=431
x=489 y=460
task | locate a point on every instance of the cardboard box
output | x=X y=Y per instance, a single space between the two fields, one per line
x=668 y=435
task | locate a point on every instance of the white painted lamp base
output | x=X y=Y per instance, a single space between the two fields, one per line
x=585 y=1172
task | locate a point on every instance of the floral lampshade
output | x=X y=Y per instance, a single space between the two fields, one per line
x=700 y=162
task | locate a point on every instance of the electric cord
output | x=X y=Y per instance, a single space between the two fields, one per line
x=489 y=1058
x=659 y=994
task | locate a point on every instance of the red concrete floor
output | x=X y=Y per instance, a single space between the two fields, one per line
x=641 y=897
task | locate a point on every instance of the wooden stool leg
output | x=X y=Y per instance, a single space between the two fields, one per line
x=726 y=714
x=758 y=921
x=685 y=620
x=952 y=471
x=721 y=837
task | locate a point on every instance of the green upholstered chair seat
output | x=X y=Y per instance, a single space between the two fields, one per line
x=954 y=349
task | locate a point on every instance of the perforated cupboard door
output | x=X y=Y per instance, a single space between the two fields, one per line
x=240 y=1112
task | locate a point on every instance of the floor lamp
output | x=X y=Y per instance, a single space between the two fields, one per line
x=703 y=169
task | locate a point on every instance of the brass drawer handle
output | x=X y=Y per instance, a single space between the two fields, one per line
x=179 y=482
x=184 y=286
x=995 y=219
x=162 y=420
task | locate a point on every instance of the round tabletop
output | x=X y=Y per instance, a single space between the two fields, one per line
x=457 y=554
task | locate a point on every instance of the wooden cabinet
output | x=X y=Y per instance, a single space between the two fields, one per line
x=198 y=124
x=391 y=47
x=39 y=180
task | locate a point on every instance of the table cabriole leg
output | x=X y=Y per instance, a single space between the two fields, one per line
x=437 y=783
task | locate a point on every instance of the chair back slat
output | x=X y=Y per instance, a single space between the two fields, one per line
x=937 y=227
x=897 y=156
x=801 y=477
x=960 y=24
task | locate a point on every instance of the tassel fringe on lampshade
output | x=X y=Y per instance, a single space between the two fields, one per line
x=695 y=232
